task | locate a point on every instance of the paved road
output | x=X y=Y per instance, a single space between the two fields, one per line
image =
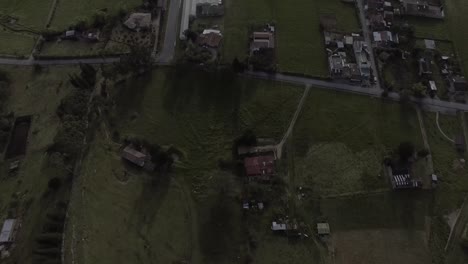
x=367 y=37
x=429 y=104
x=171 y=33
x=29 y=62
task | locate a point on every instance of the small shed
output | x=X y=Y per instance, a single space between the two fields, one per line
x=8 y=229
x=278 y=227
x=134 y=156
x=430 y=44
x=323 y=229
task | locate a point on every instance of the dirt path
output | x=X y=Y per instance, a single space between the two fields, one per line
x=192 y=255
x=441 y=131
x=293 y=122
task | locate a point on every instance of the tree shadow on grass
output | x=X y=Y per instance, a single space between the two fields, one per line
x=220 y=91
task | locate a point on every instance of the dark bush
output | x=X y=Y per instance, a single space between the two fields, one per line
x=54 y=183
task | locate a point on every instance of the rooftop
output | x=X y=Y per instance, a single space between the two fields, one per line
x=260 y=165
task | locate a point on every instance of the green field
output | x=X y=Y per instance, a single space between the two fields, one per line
x=71 y=48
x=341 y=141
x=30 y=13
x=454 y=185
x=300 y=47
x=37 y=95
x=16 y=44
x=457 y=21
x=69 y=12
x=192 y=214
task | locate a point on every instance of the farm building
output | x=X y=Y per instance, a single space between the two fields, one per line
x=8 y=231
x=401 y=179
x=138 y=21
x=260 y=167
x=210 y=38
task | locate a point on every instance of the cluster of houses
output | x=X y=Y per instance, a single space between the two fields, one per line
x=381 y=13
x=348 y=56
x=199 y=9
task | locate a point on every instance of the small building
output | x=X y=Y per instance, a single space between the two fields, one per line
x=71 y=35
x=430 y=44
x=210 y=38
x=425 y=66
x=323 y=229
x=138 y=21
x=275 y=226
x=7 y=234
x=134 y=156
x=385 y=38
x=336 y=64
x=262 y=40
x=260 y=168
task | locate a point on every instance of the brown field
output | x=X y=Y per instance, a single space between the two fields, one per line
x=382 y=246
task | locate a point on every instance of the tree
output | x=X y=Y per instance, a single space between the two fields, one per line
x=419 y=90
x=405 y=150
x=238 y=66
x=423 y=153
x=54 y=183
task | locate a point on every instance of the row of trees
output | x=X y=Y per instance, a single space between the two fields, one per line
x=73 y=113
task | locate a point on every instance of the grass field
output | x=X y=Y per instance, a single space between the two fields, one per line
x=37 y=95
x=69 y=12
x=385 y=228
x=341 y=141
x=30 y=13
x=453 y=185
x=457 y=21
x=299 y=40
x=193 y=214
x=16 y=44
x=71 y=48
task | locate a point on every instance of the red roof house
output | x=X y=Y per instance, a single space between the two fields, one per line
x=260 y=167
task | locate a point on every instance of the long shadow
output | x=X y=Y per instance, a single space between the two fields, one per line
x=218 y=91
